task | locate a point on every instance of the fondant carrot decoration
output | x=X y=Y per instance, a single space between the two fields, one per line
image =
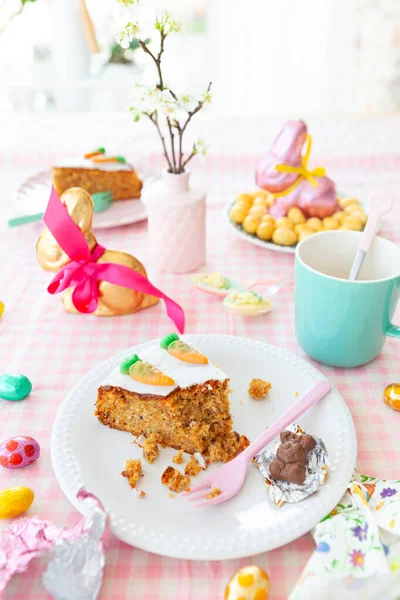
x=182 y=351
x=97 y=152
x=108 y=159
x=144 y=372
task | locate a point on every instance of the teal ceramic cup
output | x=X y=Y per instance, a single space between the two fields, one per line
x=340 y=322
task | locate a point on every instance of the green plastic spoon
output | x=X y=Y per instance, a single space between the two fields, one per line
x=102 y=201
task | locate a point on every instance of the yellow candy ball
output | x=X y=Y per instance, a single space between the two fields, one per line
x=238 y=213
x=284 y=222
x=244 y=198
x=343 y=202
x=260 y=200
x=360 y=215
x=284 y=236
x=1 y=308
x=351 y=208
x=258 y=193
x=265 y=230
x=391 y=395
x=339 y=215
x=268 y=218
x=314 y=223
x=299 y=227
x=296 y=216
x=14 y=501
x=250 y=224
x=351 y=224
x=270 y=198
x=249 y=583
x=258 y=211
x=330 y=223
x=306 y=232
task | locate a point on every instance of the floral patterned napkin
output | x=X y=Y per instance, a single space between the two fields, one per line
x=357 y=552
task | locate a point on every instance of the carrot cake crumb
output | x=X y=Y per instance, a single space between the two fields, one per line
x=258 y=389
x=150 y=448
x=193 y=467
x=227 y=448
x=178 y=458
x=171 y=496
x=174 y=479
x=213 y=494
x=132 y=471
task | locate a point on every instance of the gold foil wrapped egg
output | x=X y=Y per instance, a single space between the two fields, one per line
x=305 y=232
x=249 y=583
x=284 y=236
x=391 y=396
x=1 y=308
x=296 y=215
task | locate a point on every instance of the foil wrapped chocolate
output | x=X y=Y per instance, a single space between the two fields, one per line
x=75 y=570
x=283 y=462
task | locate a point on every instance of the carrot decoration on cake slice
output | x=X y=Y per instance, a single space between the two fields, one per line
x=97 y=152
x=182 y=351
x=144 y=372
x=108 y=159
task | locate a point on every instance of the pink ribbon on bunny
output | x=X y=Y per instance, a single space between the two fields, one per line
x=83 y=272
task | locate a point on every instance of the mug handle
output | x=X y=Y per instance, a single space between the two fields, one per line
x=394 y=330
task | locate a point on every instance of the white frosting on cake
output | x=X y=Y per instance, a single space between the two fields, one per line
x=85 y=163
x=184 y=374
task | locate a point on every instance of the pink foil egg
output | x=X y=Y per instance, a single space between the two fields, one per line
x=18 y=452
x=286 y=149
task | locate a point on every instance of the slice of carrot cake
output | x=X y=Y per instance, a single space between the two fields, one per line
x=175 y=393
x=98 y=172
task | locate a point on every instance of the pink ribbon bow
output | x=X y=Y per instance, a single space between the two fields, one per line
x=84 y=273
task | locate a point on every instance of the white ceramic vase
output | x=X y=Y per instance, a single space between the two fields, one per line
x=176 y=224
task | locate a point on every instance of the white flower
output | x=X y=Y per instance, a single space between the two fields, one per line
x=125 y=37
x=147 y=101
x=206 y=97
x=200 y=147
x=166 y=24
x=188 y=102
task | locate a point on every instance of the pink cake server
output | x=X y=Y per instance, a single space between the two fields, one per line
x=230 y=477
x=379 y=205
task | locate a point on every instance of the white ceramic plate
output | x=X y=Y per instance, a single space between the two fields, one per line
x=33 y=195
x=253 y=239
x=86 y=453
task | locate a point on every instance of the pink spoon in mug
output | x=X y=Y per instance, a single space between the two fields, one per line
x=379 y=205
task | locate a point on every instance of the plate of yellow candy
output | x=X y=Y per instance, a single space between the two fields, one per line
x=249 y=217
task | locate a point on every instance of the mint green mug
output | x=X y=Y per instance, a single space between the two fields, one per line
x=340 y=322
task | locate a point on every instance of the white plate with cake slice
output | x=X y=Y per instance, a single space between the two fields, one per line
x=86 y=453
x=33 y=195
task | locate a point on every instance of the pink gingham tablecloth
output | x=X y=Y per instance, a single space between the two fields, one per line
x=55 y=349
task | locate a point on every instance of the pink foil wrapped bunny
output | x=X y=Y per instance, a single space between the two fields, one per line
x=284 y=172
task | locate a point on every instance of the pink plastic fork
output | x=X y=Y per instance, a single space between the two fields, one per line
x=230 y=477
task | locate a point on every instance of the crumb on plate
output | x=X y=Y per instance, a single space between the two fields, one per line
x=174 y=479
x=193 y=467
x=132 y=471
x=150 y=448
x=227 y=448
x=178 y=458
x=259 y=389
x=213 y=494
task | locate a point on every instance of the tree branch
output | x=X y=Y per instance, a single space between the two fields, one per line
x=171 y=134
x=155 y=121
x=193 y=152
x=182 y=130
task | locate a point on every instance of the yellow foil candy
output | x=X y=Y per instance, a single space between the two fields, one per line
x=391 y=396
x=14 y=501
x=1 y=308
x=249 y=583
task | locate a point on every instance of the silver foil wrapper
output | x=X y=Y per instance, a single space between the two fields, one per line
x=317 y=471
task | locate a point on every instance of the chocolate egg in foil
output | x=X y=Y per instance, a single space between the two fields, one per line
x=316 y=470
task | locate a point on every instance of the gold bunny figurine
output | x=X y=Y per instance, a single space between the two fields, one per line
x=113 y=299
